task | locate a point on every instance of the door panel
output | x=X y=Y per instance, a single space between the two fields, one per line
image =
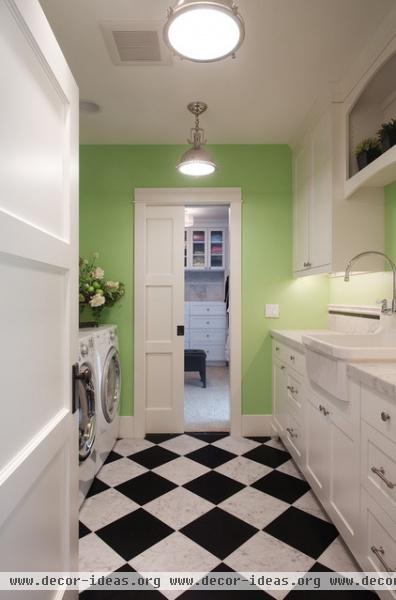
x=39 y=304
x=164 y=311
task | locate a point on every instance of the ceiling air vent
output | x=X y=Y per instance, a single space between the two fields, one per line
x=136 y=43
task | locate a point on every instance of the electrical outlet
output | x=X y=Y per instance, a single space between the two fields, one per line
x=272 y=311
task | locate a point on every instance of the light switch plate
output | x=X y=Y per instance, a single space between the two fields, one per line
x=272 y=311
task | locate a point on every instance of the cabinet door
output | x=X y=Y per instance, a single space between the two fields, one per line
x=302 y=201
x=199 y=248
x=279 y=395
x=187 y=254
x=216 y=249
x=318 y=440
x=320 y=228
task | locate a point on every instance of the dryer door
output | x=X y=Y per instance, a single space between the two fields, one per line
x=87 y=413
x=111 y=385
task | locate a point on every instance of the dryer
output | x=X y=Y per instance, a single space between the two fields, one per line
x=109 y=380
x=87 y=386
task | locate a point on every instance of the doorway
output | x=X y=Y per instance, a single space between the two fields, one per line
x=159 y=321
x=206 y=318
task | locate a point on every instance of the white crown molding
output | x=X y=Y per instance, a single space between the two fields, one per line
x=187 y=196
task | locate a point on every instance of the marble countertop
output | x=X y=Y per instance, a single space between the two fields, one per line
x=379 y=376
x=293 y=337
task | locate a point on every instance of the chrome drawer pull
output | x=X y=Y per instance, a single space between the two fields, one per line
x=290 y=431
x=324 y=410
x=385 y=416
x=292 y=389
x=381 y=474
x=292 y=357
x=379 y=553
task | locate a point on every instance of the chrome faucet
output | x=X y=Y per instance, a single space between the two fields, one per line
x=384 y=303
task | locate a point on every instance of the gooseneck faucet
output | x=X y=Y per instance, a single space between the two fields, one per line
x=385 y=309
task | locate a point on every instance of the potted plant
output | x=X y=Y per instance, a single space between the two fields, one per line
x=387 y=134
x=368 y=150
x=95 y=292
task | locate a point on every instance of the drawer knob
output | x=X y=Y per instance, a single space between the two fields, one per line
x=381 y=474
x=385 y=416
x=283 y=367
x=379 y=553
x=292 y=357
x=277 y=348
x=208 y=309
x=207 y=322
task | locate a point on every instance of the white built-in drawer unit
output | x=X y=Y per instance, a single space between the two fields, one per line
x=206 y=328
x=379 y=467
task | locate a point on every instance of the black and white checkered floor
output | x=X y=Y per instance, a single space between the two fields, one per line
x=204 y=502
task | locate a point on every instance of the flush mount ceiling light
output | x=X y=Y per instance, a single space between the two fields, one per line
x=196 y=161
x=204 y=30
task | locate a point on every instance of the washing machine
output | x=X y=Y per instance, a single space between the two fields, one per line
x=87 y=395
x=109 y=380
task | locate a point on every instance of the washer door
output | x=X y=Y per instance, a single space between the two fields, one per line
x=111 y=385
x=87 y=413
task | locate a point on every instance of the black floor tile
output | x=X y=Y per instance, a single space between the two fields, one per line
x=97 y=487
x=153 y=457
x=282 y=486
x=145 y=487
x=259 y=439
x=303 y=531
x=134 y=533
x=82 y=530
x=209 y=437
x=158 y=438
x=266 y=455
x=219 y=532
x=214 y=486
x=211 y=456
x=112 y=457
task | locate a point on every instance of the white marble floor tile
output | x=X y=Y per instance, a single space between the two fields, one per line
x=104 y=508
x=119 y=471
x=95 y=555
x=262 y=552
x=244 y=470
x=236 y=445
x=311 y=505
x=290 y=468
x=129 y=446
x=254 y=507
x=338 y=558
x=178 y=507
x=183 y=444
x=181 y=470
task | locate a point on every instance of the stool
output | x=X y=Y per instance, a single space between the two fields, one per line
x=195 y=360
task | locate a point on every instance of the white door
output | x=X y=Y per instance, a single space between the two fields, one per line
x=38 y=300
x=159 y=316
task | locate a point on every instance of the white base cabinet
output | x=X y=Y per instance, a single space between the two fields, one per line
x=206 y=329
x=347 y=452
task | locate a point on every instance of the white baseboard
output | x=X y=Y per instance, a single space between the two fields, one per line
x=126 y=427
x=256 y=425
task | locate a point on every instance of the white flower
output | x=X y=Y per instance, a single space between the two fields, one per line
x=98 y=273
x=113 y=285
x=97 y=300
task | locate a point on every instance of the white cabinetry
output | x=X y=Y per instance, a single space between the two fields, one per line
x=205 y=248
x=328 y=229
x=205 y=328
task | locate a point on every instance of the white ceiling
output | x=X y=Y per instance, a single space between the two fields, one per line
x=294 y=52
x=208 y=212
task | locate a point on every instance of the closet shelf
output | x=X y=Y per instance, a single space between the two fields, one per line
x=379 y=173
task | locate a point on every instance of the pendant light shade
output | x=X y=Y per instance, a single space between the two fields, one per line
x=196 y=161
x=204 y=30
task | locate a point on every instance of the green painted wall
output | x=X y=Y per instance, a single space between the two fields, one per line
x=108 y=177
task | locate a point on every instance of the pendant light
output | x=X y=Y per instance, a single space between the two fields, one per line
x=196 y=161
x=204 y=30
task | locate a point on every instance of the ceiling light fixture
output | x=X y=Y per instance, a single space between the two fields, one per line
x=204 y=30
x=196 y=161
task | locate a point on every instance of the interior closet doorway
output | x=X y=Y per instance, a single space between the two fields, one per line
x=159 y=320
x=206 y=318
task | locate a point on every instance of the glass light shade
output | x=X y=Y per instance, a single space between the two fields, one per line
x=196 y=162
x=204 y=30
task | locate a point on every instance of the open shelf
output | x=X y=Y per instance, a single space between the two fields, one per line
x=379 y=173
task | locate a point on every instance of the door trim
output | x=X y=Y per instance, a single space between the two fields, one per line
x=231 y=197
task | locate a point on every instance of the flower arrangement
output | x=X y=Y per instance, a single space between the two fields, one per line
x=95 y=292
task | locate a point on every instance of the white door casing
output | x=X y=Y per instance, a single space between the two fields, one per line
x=159 y=311
x=180 y=197
x=38 y=301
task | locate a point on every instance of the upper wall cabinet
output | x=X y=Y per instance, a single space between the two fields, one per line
x=205 y=248
x=328 y=229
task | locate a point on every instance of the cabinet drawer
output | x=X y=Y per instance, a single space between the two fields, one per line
x=295 y=395
x=379 y=412
x=294 y=438
x=379 y=453
x=207 y=322
x=214 y=352
x=208 y=336
x=291 y=357
x=379 y=544
x=207 y=308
